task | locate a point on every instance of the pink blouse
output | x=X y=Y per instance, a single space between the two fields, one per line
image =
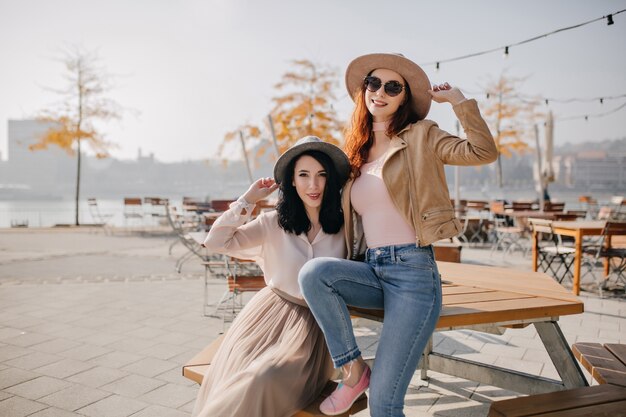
x=383 y=224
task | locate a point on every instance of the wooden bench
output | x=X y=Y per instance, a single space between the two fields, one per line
x=447 y=251
x=199 y=364
x=245 y=283
x=606 y=363
x=599 y=400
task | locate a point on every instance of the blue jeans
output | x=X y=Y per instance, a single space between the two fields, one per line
x=404 y=281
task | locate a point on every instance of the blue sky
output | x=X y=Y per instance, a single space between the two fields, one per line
x=196 y=69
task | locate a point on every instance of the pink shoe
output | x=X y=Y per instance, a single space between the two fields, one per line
x=344 y=396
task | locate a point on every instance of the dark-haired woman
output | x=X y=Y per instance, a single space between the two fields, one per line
x=273 y=360
x=395 y=206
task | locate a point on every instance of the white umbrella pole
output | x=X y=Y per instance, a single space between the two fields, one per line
x=270 y=121
x=540 y=171
x=245 y=157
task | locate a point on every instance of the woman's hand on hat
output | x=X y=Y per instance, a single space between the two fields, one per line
x=260 y=189
x=445 y=93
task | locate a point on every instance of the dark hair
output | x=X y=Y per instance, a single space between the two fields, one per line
x=359 y=135
x=292 y=216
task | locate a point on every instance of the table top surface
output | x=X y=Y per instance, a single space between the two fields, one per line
x=579 y=224
x=533 y=213
x=477 y=294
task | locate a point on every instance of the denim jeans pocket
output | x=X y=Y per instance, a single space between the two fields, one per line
x=418 y=259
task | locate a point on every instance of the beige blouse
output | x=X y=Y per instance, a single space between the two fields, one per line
x=279 y=254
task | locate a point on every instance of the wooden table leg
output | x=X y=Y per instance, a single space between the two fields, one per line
x=561 y=355
x=534 y=248
x=607 y=261
x=577 y=259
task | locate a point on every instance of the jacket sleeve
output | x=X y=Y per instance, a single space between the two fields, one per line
x=231 y=235
x=478 y=149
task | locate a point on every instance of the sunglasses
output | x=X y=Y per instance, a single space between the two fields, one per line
x=392 y=88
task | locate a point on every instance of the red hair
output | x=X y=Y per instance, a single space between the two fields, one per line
x=359 y=135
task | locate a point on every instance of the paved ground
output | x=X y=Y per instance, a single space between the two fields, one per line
x=99 y=325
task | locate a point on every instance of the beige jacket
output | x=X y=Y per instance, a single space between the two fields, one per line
x=413 y=172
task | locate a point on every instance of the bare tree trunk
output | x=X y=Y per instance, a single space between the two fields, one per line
x=78 y=137
x=77 y=185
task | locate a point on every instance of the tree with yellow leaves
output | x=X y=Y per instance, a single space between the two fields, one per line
x=304 y=107
x=82 y=103
x=510 y=118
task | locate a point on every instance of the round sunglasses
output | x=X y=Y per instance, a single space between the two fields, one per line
x=392 y=88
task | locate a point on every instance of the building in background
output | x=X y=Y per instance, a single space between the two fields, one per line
x=50 y=174
x=597 y=171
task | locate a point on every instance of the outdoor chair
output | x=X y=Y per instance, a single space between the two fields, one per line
x=569 y=217
x=460 y=209
x=156 y=208
x=618 y=203
x=195 y=206
x=133 y=210
x=507 y=238
x=590 y=205
x=242 y=276
x=98 y=218
x=221 y=205
x=521 y=206
x=552 y=255
x=183 y=231
x=596 y=254
x=580 y=214
x=553 y=206
x=474 y=216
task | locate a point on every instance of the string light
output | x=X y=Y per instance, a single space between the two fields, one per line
x=535 y=98
x=609 y=19
x=547 y=100
x=587 y=116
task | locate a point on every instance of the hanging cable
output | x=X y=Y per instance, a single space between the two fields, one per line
x=530 y=99
x=548 y=100
x=588 y=116
x=609 y=19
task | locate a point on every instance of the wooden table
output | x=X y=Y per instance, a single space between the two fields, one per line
x=489 y=298
x=532 y=213
x=576 y=229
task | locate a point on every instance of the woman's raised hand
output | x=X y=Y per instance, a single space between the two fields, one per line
x=260 y=189
x=443 y=93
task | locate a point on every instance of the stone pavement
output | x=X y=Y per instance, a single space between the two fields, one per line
x=99 y=325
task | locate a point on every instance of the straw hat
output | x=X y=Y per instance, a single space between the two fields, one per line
x=415 y=77
x=313 y=143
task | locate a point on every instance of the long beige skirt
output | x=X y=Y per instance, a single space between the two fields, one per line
x=272 y=362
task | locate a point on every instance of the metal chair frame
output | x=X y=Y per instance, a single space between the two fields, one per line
x=553 y=252
x=598 y=252
x=97 y=216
